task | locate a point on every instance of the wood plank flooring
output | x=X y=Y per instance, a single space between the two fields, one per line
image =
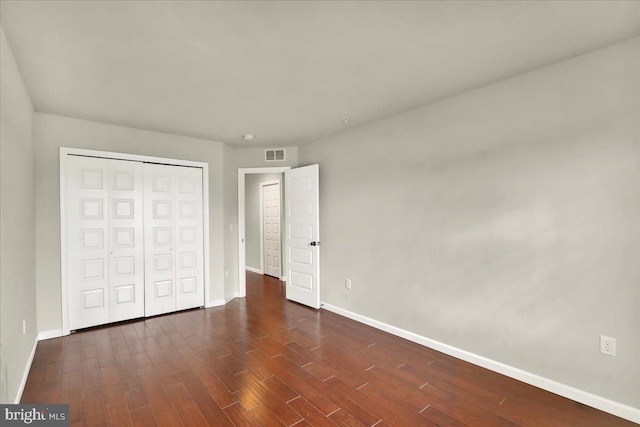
x=265 y=361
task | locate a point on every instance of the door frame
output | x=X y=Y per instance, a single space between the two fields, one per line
x=66 y=151
x=242 y=253
x=262 y=185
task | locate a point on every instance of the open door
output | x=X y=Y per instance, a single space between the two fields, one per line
x=302 y=234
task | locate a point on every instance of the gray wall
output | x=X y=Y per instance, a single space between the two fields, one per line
x=51 y=132
x=503 y=221
x=230 y=225
x=17 y=238
x=252 y=216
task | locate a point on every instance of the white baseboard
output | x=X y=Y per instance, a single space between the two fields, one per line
x=46 y=335
x=25 y=374
x=215 y=303
x=618 y=409
x=234 y=296
x=258 y=271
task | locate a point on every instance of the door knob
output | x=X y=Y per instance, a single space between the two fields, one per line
x=315 y=243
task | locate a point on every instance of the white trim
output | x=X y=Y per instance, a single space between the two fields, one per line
x=64 y=291
x=132 y=157
x=261 y=223
x=64 y=152
x=47 y=335
x=618 y=409
x=253 y=270
x=25 y=374
x=205 y=230
x=215 y=303
x=283 y=278
x=228 y=300
x=242 y=254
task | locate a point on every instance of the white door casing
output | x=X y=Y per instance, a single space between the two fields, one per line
x=104 y=225
x=270 y=210
x=242 y=255
x=303 y=235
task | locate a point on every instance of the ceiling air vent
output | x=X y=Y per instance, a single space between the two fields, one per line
x=274 y=155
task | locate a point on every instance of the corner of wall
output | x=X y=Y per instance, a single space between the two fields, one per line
x=18 y=325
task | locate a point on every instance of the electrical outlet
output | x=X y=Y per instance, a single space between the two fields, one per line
x=24 y=326
x=607 y=345
x=347 y=283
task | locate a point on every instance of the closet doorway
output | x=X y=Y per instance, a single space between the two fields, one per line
x=134 y=236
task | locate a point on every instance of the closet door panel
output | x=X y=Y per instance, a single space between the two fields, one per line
x=87 y=235
x=126 y=249
x=189 y=238
x=159 y=225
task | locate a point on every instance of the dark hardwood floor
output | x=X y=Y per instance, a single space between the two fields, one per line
x=265 y=361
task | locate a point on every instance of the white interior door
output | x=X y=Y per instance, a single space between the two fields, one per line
x=271 y=228
x=189 y=243
x=104 y=235
x=303 y=235
x=88 y=244
x=126 y=240
x=174 y=248
x=159 y=227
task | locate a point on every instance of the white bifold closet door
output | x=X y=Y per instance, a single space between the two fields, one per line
x=173 y=230
x=134 y=239
x=104 y=223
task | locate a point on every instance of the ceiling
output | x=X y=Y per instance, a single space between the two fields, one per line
x=288 y=72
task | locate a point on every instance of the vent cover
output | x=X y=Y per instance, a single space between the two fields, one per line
x=275 y=155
